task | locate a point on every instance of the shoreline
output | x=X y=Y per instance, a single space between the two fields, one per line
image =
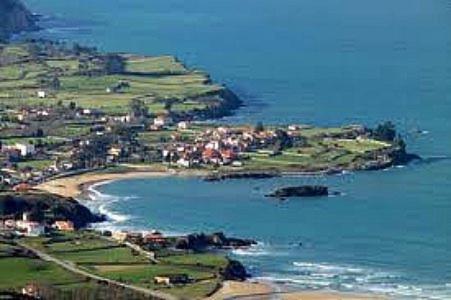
x=252 y=290
x=75 y=186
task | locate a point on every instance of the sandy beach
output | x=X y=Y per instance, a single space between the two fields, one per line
x=73 y=186
x=263 y=291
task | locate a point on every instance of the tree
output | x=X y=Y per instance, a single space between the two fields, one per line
x=385 y=132
x=113 y=64
x=259 y=127
x=55 y=83
x=138 y=108
x=39 y=132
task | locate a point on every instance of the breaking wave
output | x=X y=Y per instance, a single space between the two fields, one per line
x=256 y=250
x=353 y=279
x=102 y=203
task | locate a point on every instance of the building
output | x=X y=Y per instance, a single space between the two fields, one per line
x=161 y=121
x=42 y=94
x=31 y=290
x=119 y=236
x=171 y=279
x=64 y=225
x=155 y=237
x=185 y=163
x=25 y=149
x=182 y=125
x=21 y=187
x=30 y=228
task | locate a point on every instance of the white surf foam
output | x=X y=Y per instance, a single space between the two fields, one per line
x=256 y=250
x=102 y=203
x=348 y=278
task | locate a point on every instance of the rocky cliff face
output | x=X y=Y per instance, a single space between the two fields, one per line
x=46 y=208
x=15 y=18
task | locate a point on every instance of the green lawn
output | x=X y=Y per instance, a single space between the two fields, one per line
x=113 y=255
x=80 y=245
x=152 y=79
x=144 y=274
x=159 y=64
x=118 y=263
x=35 y=164
x=23 y=270
x=204 y=260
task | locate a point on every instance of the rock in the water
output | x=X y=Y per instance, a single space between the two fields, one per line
x=201 y=242
x=300 y=191
x=234 y=271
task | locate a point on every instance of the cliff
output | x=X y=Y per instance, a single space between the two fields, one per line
x=46 y=208
x=15 y=18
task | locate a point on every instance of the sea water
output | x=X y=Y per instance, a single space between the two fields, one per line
x=302 y=61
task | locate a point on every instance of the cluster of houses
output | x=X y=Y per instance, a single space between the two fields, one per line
x=220 y=146
x=31 y=228
x=153 y=239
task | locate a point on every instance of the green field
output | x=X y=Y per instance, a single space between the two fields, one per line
x=35 y=164
x=151 y=79
x=108 y=259
x=22 y=271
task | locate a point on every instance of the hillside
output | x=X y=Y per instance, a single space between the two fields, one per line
x=14 y=18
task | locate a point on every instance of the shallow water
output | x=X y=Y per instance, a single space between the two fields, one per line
x=322 y=62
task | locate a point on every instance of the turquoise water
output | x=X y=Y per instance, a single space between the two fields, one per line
x=321 y=62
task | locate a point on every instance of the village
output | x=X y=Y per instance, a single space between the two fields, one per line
x=67 y=109
x=98 y=140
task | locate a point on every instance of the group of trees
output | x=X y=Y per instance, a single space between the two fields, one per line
x=387 y=132
x=98 y=65
x=138 y=108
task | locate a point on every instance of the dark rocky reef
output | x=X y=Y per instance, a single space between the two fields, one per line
x=234 y=271
x=202 y=242
x=300 y=191
x=15 y=18
x=46 y=208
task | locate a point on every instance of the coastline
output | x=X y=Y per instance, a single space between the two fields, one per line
x=75 y=185
x=265 y=291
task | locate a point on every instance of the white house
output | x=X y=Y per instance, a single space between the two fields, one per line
x=29 y=227
x=122 y=119
x=162 y=121
x=25 y=149
x=184 y=163
x=182 y=125
x=42 y=94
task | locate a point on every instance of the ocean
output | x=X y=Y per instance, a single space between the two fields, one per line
x=327 y=62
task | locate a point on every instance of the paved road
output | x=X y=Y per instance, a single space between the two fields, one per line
x=74 y=269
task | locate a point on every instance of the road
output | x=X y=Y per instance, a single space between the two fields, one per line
x=74 y=269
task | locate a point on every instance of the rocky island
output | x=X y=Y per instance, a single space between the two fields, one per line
x=300 y=191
